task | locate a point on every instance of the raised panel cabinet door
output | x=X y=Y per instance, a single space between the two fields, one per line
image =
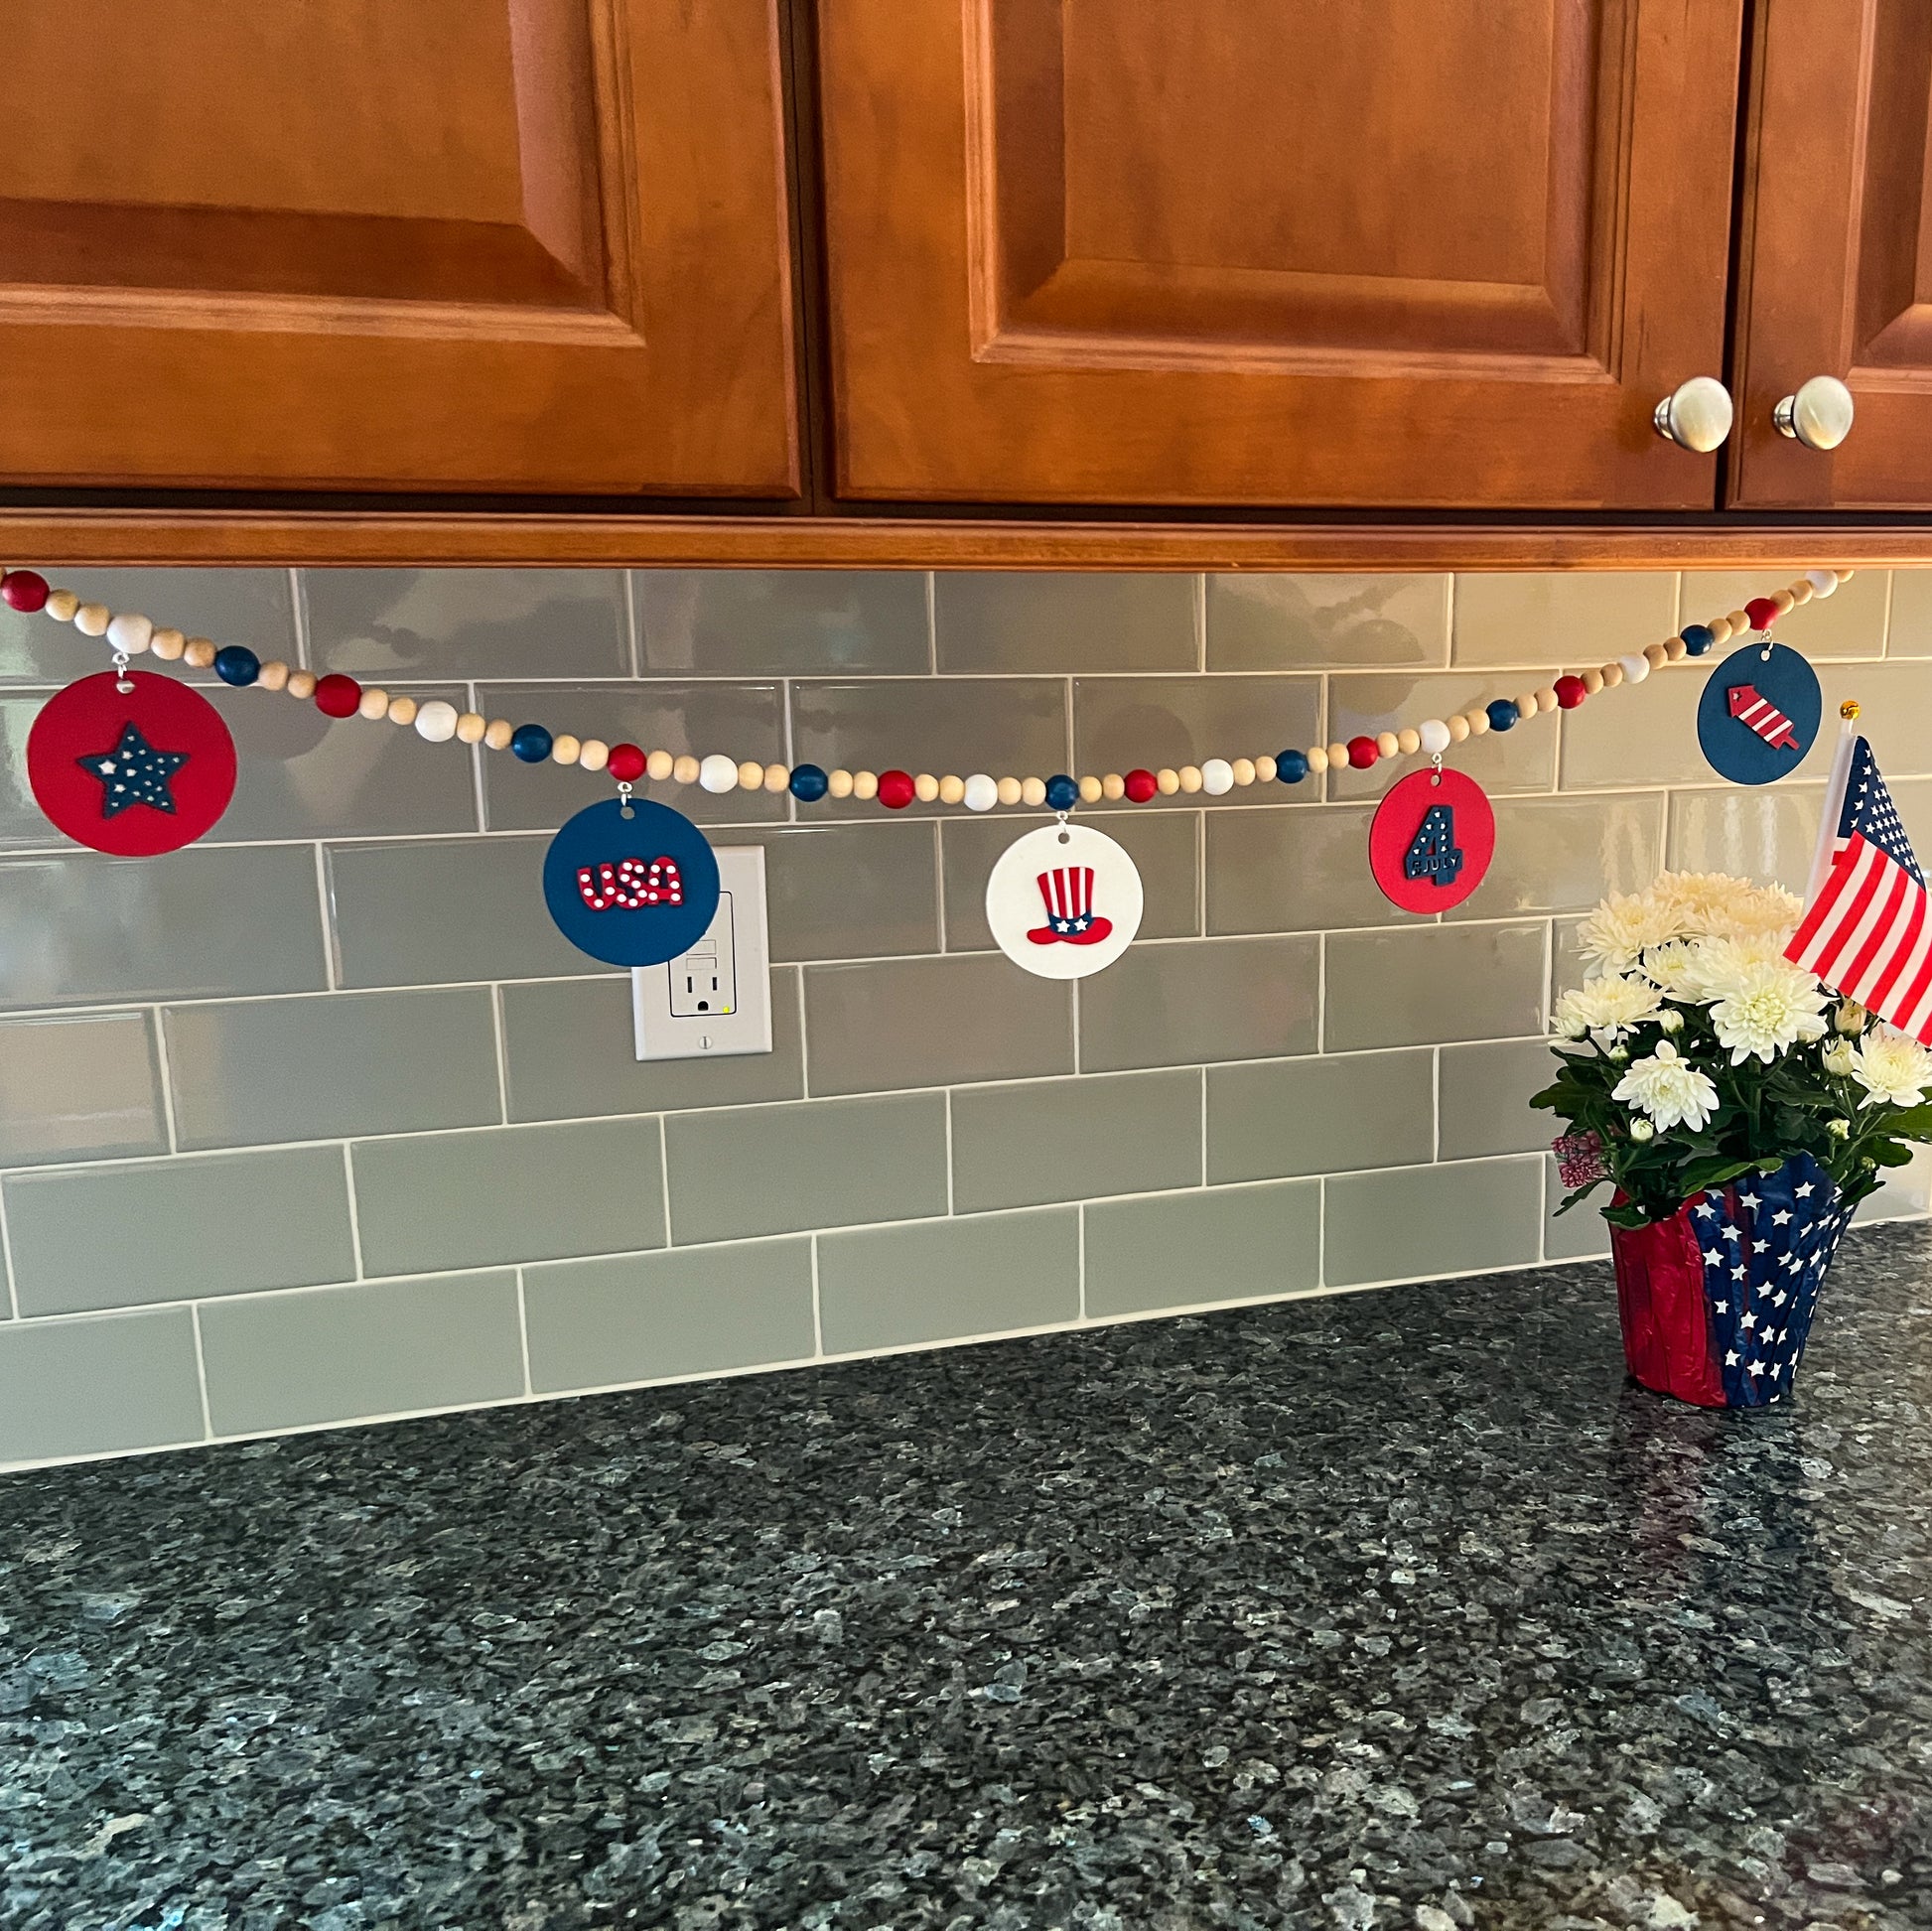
x=1835 y=258
x=1275 y=251
x=532 y=245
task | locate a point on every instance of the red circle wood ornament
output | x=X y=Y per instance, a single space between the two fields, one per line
x=135 y=771
x=1432 y=840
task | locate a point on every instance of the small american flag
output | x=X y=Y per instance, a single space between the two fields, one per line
x=1867 y=932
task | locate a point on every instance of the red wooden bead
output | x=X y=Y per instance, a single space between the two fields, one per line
x=895 y=791
x=1362 y=752
x=1762 y=612
x=1141 y=785
x=627 y=764
x=25 y=589
x=337 y=695
x=1569 y=692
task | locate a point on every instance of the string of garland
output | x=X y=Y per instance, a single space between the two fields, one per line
x=129 y=633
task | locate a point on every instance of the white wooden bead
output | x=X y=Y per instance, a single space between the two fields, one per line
x=565 y=749
x=130 y=631
x=982 y=794
x=1113 y=788
x=200 y=653
x=436 y=721
x=1217 y=776
x=685 y=769
x=659 y=767
x=168 y=645
x=1243 y=769
x=373 y=704
x=718 y=772
x=864 y=786
x=60 y=605
x=594 y=754
x=952 y=790
x=1032 y=792
x=838 y=785
x=92 y=620
x=273 y=675
x=1432 y=737
x=926 y=787
x=1009 y=790
x=1822 y=582
x=470 y=728
x=1091 y=790
x=750 y=775
x=1635 y=667
x=402 y=710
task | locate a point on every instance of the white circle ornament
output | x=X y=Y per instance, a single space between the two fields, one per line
x=1064 y=901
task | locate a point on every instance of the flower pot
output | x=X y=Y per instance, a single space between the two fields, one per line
x=1717 y=1301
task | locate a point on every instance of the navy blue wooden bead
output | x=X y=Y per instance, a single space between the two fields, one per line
x=1502 y=714
x=808 y=783
x=235 y=663
x=1292 y=767
x=1697 y=639
x=1062 y=794
x=531 y=742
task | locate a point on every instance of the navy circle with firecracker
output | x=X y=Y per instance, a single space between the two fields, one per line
x=632 y=890
x=1432 y=839
x=1760 y=712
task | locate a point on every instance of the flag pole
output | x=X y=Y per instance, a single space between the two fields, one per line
x=1820 y=858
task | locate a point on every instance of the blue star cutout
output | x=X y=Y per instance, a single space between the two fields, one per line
x=134 y=772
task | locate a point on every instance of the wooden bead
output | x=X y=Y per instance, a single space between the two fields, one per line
x=778 y=778
x=1655 y=655
x=1167 y=781
x=1089 y=790
x=1802 y=592
x=274 y=675
x=1721 y=630
x=1188 y=778
x=661 y=766
x=1526 y=705
x=1546 y=698
x=435 y=721
x=302 y=685
x=1318 y=757
x=1822 y=582
x=1243 y=771
x=60 y=605
x=374 y=704
x=1612 y=676
x=92 y=620
x=130 y=631
x=685 y=769
x=404 y=710
x=864 y=786
x=926 y=787
x=982 y=793
x=750 y=775
x=168 y=645
x=565 y=748
x=200 y=653
x=838 y=785
x=470 y=728
x=1846 y=576
x=1387 y=743
x=1266 y=770
x=1217 y=778
x=1635 y=667
x=1408 y=741
x=593 y=756
x=1741 y=623
x=718 y=773
x=1593 y=681
x=1459 y=729
x=1113 y=788
x=1784 y=602
x=1478 y=723
x=1033 y=791
x=952 y=790
x=1676 y=649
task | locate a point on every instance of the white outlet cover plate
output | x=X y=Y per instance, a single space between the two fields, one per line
x=662 y=1033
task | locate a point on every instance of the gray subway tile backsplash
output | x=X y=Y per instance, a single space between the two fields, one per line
x=331 y=1084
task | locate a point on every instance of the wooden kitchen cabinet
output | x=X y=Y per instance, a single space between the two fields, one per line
x=1274 y=251
x=511 y=245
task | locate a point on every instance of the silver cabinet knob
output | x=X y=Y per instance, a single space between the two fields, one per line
x=1819 y=415
x=1695 y=415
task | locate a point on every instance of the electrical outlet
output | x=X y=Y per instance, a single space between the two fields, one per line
x=716 y=999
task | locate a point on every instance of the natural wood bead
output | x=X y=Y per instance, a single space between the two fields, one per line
x=470 y=728
x=92 y=620
x=1526 y=705
x=200 y=653
x=1266 y=770
x=1190 y=780
x=402 y=710
x=565 y=748
x=1317 y=758
x=374 y=704
x=864 y=786
x=1387 y=743
x=926 y=787
x=1783 y=601
x=130 y=631
x=1244 y=770
x=1408 y=741
x=750 y=775
x=1546 y=698
x=1676 y=649
x=1802 y=592
x=168 y=645
x=684 y=769
x=1478 y=722
x=1719 y=628
x=1459 y=728
x=778 y=778
x=273 y=675
x=1339 y=757
x=1167 y=781
x=1844 y=576
x=1655 y=655
x=838 y=785
x=661 y=766
x=1741 y=623
x=1593 y=681
x=1113 y=788
x=1612 y=676
x=1007 y=790
x=592 y=756
x=302 y=685
x=1089 y=790
x=952 y=788
x=1032 y=792
x=60 y=605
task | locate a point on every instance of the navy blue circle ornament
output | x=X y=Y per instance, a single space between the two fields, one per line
x=630 y=882
x=1760 y=712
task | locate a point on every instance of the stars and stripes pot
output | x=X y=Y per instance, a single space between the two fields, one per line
x=1717 y=1302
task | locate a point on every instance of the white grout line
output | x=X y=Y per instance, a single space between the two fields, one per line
x=1543 y=1210
x=355 y=1216
x=1073 y=986
x=932 y=621
x=472 y=701
x=818 y=1323
x=664 y=1179
x=7 y=1259
x=939 y=880
x=1885 y=632
x=502 y=1054
x=200 y=1369
x=1080 y=1256
x=634 y=635
x=331 y=965
x=1321 y=992
x=1436 y=1105
x=949 y=1182
x=165 y=1070
x=1201 y=622
x=523 y=1326
x=804 y=1054
x=299 y=615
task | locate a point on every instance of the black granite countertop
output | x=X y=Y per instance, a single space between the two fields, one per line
x=1392 y=1609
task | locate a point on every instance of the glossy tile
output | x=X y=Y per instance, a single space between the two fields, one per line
x=857 y=890
x=932 y=1022
x=1292 y=871
x=416 y=914
x=1501 y=761
x=95 y=1387
x=1120 y=723
x=468 y=623
x=568 y=1052
x=780 y=1170
x=1568 y=966
x=83 y=930
x=1637 y=737
x=257 y=1072
x=1565 y=854
x=251 y=606
x=388 y=1347
x=1052 y=1139
x=949 y=1280
x=1567 y=619
x=80 y=1087
x=1766 y=832
x=1484 y=1095
x=1065 y=621
x=155 y=1230
x=1851 y=622
x=695 y=1311
x=1271 y=620
x=1176 y=1250
x=1277 y=1118
x=1429 y=982
x=1185 y=1003
x=743 y=720
x=442 y=1200
x=1582 y=1234
x=1418 y=1222
x=1908 y=631
x=1164 y=845
x=781 y=623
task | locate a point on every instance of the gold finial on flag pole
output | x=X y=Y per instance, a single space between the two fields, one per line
x=1849 y=710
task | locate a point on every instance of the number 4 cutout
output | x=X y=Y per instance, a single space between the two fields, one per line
x=1434 y=853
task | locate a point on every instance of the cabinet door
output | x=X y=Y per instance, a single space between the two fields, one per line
x=1835 y=255
x=1275 y=251
x=379 y=245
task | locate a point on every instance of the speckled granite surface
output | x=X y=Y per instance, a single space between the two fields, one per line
x=1398 y=1609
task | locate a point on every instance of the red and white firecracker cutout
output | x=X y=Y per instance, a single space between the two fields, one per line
x=1064 y=901
x=1432 y=840
x=131 y=763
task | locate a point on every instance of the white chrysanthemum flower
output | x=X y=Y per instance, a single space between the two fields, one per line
x=1606 y=1009
x=1839 y=1058
x=1670 y=1091
x=1617 y=933
x=1760 y=1006
x=1711 y=904
x=1892 y=1067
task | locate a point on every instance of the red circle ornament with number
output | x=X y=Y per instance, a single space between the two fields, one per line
x=1432 y=840
x=135 y=771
